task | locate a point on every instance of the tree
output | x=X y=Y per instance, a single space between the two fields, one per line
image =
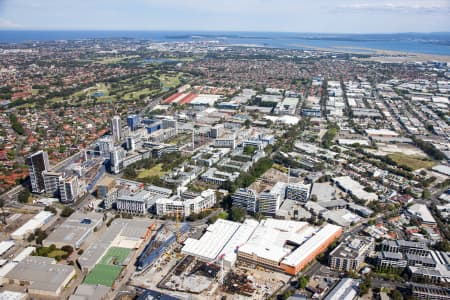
x=237 y=214
x=2 y=204
x=67 y=211
x=313 y=198
x=51 y=209
x=426 y=194
x=259 y=216
x=67 y=248
x=23 y=196
x=443 y=245
x=396 y=295
x=365 y=286
x=302 y=282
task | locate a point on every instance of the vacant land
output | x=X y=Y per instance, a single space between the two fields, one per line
x=155 y=171
x=413 y=162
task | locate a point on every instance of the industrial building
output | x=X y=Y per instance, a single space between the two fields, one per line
x=421 y=212
x=286 y=246
x=42 y=276
x=125 y=233
x=346 y=289
x=31 y=225
x=353 y=187
x=75 y=230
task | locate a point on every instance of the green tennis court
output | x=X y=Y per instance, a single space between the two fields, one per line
x=103 y=275
x=115 y=256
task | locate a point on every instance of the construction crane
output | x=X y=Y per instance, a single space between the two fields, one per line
x=219 y=258
x=177 y=226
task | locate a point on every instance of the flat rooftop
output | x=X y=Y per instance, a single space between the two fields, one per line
x=43 y=273
x=74 y=228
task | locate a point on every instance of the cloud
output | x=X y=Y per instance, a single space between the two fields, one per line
x=422 y=6
x=7 y=24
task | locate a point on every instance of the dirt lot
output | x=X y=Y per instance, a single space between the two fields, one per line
x=407 y=149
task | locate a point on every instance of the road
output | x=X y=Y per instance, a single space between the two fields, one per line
x=11 y=195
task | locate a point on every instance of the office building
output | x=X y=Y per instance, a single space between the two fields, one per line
x=225 y=142
x=137 y=203
x=133 y=122
x=116 y=129
x=116 y=160
x=131 y=143
x=103 y=146
x=169 y=123
x=37 y=164
x=216 y=131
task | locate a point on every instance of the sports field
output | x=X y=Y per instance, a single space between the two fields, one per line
x=115 y=256
x=103 y=275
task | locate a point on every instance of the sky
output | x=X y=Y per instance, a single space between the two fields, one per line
x=324 y=16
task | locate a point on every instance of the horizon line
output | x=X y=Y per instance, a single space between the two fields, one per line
x=223 y=31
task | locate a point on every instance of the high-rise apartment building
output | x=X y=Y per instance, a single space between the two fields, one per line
x=116 y=129
x=37 y=164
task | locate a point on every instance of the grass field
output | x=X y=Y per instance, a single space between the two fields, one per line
x=170 y=81
x=115 y=256
x=103 y=274
x=56 y=253
x=413 y=162
x=155 y=171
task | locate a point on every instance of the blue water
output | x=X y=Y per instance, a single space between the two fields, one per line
x=429 y=43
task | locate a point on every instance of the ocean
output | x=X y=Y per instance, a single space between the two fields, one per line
x=426 y=43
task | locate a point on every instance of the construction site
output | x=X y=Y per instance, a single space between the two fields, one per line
x=249 y=260
x=197 y=279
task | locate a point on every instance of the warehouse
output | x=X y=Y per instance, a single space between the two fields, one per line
x=308 y=251
x=41 y=275
x=346 y=289
x=124 y=233
x=353 y=187
x=29 y=227
x=75 y=230
x=280 y=245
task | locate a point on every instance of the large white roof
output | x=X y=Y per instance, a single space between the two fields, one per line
x=209 y=246
x=311 y=245
x=36 y=222
x=421 y=211
x=5 y=246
